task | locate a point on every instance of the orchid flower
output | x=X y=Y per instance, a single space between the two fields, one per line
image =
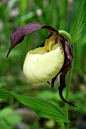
x=49 y=60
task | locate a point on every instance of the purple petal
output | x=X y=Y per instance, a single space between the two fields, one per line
x=66 y=67
x=62 y=82
x=18 y=34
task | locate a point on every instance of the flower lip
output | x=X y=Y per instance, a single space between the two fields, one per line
x=46 y=67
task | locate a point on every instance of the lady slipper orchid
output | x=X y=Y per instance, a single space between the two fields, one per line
x=53 y=57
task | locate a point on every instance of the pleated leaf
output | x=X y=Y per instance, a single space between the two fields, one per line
x=5 y=94
x=79 y=23
x=42 y=107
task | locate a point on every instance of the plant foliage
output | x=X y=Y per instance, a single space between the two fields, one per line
x=79 y=24
x=39 y=105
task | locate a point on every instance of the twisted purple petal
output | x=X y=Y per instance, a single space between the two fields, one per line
x=66 y=67
x=18 y=34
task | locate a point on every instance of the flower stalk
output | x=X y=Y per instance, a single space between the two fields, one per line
x=67 y=97
x=69 y=74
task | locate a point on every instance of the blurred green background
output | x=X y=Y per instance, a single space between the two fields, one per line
x=60 y=14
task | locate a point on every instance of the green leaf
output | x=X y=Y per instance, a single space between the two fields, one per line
x=79 y=23
x=5 y=94
x=42 y=107
x=39 y=105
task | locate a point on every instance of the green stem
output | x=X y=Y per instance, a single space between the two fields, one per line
x=67 y=35
x=67 y=97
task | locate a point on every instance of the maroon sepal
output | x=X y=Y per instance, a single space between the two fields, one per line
x=18 y=34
